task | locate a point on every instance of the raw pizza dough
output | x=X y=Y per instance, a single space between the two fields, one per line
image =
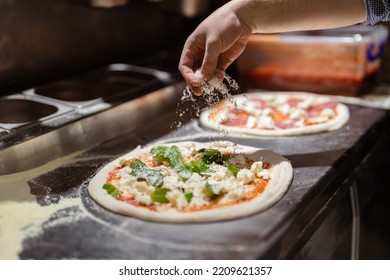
x=297 y=120
x=279 y=178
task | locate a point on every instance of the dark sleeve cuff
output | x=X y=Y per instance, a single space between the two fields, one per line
x=377 y=10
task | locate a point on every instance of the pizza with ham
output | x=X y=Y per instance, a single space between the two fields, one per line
x=192 y=182
x=276 y=114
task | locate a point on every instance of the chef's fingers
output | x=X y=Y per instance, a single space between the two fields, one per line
x=219 y=75
x=189 y=75
x=229 y=56
x=190 y=60
x=210 y=59
x=197 y=91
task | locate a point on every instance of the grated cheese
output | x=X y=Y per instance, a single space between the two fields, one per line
x=222 y=179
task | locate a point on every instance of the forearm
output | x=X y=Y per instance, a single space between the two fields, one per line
x=268 y=16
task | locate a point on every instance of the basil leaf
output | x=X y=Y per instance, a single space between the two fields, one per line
x=159 y=150
x=189 y=197
x=214 y=190
x=184 y=172
x=174 y=157
x=141 y=171
x=110 y=189
x=159 y=195
x=212 y=156
x=198 y=167
x=232 y=168
x=171 y=154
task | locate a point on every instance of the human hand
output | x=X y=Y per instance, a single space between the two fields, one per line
x=213 y=46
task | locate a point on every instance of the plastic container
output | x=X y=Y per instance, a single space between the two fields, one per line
x=341 y=61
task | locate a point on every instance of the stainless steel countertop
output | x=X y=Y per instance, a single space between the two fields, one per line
x=84 y=230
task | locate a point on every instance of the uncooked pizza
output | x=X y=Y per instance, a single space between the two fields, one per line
x=276 y=114
x=192 y=182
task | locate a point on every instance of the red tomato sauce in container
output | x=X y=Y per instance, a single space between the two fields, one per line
x=342 y=61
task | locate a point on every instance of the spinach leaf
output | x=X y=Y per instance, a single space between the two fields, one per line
x=184 y=172
x=232 y=168
x=189 y=197
x=159 y=195
x=174 y=157
x=198 y=167
x=110 y=189
x=213 y=190
x=171 y=154
x=141 y=171
x=212 y=156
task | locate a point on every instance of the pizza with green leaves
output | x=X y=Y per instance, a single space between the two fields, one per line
x=192 y=182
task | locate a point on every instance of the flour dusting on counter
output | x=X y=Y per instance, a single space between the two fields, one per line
x=21 y=216
x=21 y=220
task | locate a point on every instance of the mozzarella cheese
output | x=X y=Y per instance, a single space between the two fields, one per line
x=285 y=110
x=265 y=122
x=229 y=187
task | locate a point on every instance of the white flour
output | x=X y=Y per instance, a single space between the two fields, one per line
x=213 y=90
x=20 y=215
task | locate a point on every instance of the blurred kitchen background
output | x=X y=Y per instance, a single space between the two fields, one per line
x=41 y=40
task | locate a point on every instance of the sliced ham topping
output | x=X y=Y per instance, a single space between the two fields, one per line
x=284 y=125
x=316 y=110
x=260 y=103
x=293 y=101
x=322 y=106
x=235 y=122
x=281 y=119
x=313 y=113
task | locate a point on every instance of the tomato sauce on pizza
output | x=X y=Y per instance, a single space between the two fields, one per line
x=192 y=182
x=286 y=114
x=187 y=179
